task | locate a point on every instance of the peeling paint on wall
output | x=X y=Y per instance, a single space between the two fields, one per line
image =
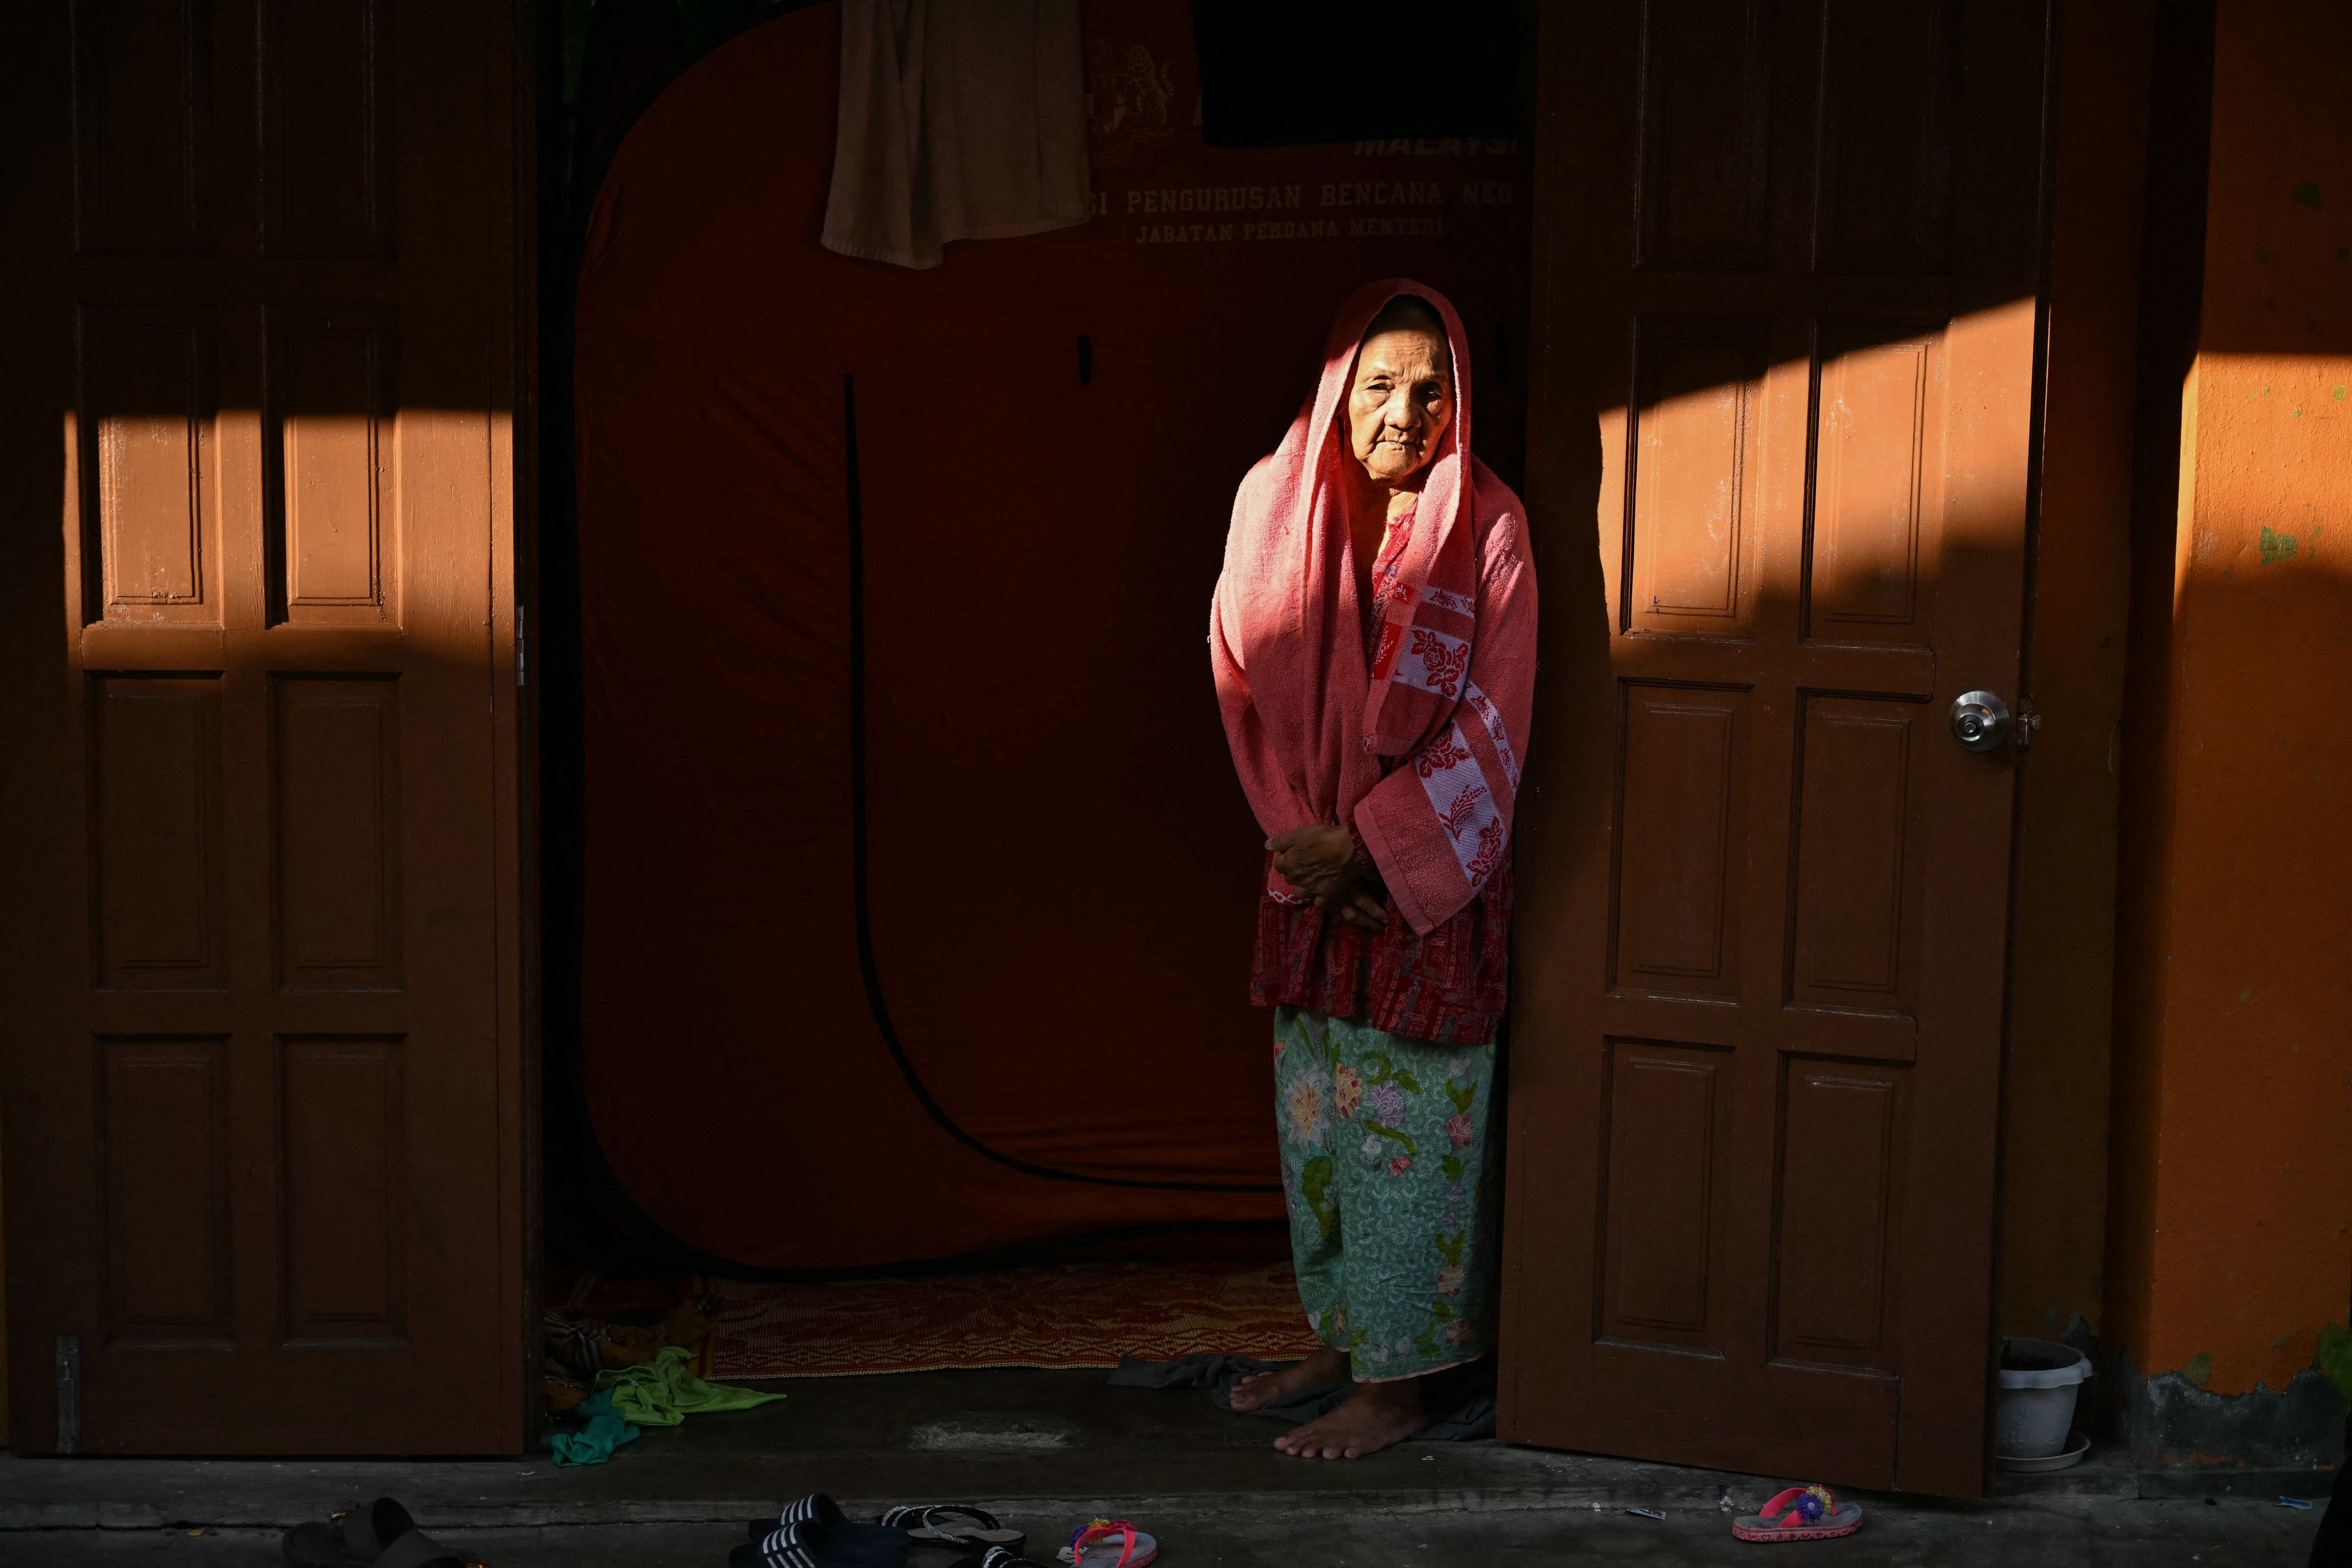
x=2168 y=1420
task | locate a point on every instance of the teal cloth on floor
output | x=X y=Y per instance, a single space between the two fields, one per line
x=663 y=1393
x=593 y=1444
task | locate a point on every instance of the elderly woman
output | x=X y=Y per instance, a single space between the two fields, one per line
x=1373 y=639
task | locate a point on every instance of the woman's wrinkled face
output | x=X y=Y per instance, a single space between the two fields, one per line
x=1401 y=402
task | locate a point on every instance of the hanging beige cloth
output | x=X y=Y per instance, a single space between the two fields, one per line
x=960 y=120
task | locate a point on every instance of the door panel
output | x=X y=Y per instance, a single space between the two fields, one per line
x=142 y=165
x=264 y=1188
x=326 y=166
x=1706 y=108
x=164 y=1137
x=1787 y=262
x=155 y=815
x=1685 y=762
x=1667 y=1141
x=148 y=393
x=328 y=486
x=339 y=1107
x=1852 y=893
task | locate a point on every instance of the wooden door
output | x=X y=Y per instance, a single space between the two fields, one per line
x=264 y=1168
x=1786 y=275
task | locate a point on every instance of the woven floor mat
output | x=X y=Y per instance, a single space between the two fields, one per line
x=1069 y=1315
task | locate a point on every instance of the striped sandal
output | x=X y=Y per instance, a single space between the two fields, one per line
x=1801 y=1513
x=803 y=1543
x=944 y=1524
x=826 y=1516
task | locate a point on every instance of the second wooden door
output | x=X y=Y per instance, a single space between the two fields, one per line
x=1786 y=274
x=262 y=944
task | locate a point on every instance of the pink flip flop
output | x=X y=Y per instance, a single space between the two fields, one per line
x=1089 y=1546
x=1801 y=1513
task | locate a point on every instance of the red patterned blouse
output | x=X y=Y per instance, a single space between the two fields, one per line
x=1449 y=985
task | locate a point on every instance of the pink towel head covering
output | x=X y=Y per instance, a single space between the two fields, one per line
x=1308 y=723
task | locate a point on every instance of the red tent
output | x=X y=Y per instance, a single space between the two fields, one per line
x=1031 y=1024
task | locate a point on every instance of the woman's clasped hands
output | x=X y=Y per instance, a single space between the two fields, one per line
x=1322 y=863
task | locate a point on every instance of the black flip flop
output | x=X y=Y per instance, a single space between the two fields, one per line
x=941 y=1524
x=819 y=1510
x=418 y=1550
x=382 y=1533
x=356 y=1534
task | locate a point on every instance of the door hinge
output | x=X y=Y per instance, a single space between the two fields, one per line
x=69 y=1393
x=522 y=645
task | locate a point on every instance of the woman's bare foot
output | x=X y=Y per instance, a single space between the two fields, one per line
x=1378 y=1415
x=1260 y=1389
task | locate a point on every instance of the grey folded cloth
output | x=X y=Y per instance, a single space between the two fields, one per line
x=1463 y=1395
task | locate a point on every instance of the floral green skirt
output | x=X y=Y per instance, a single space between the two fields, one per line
x=1391 y=1193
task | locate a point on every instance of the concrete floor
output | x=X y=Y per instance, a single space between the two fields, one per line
x=2065 y=1534
x=1048 y=1450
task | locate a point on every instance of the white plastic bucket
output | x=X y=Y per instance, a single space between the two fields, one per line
x=2039 y=1382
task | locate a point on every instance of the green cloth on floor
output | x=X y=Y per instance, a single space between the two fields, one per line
x=593 y=1444
x=663 y=1393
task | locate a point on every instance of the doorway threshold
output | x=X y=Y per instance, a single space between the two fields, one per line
x=1036 y=1446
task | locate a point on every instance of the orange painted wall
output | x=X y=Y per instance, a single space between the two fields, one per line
x=2231 y=1211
